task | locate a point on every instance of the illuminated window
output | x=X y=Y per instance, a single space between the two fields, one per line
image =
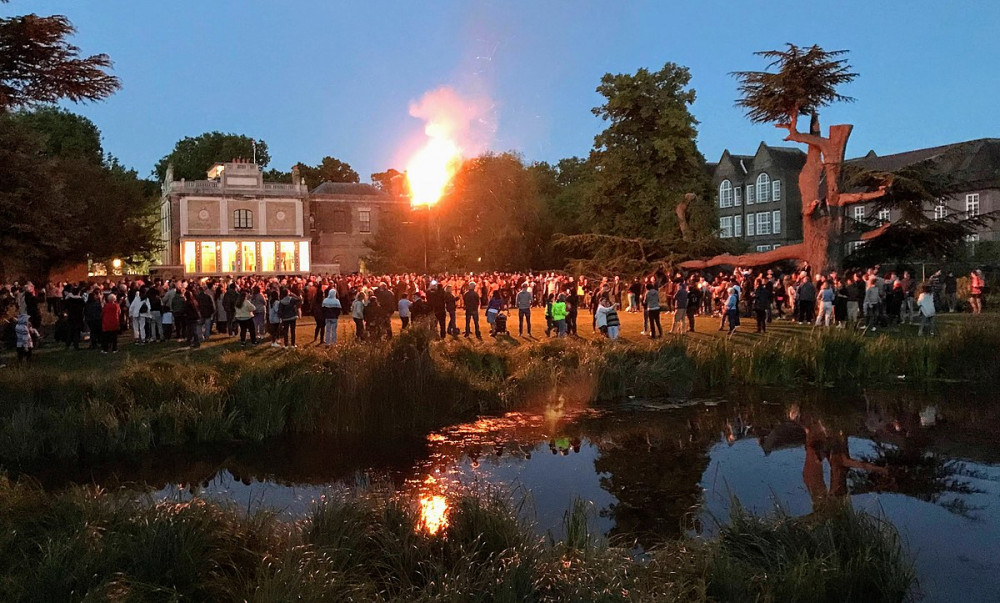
x=365 y=221
x=286 y=256
x=941 y=212
x=208 y=257
x=726 y=194
x=242 y=218
x=190 y=257
x=883 y=215
x=249 y=256
x=267 y=256
x=859 y=213
x=229 y=259
x=304 y=256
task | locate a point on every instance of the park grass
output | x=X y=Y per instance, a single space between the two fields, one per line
x=413 y=383
x=87 y=544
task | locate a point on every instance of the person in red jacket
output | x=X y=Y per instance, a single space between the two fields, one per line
x=110 y=324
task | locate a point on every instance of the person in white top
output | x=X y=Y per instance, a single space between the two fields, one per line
x=925 y=303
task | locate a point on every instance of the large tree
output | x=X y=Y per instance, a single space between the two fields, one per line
x=192 y=156
x=798 y=82
x=646 y=160
x=329 y=169
x=39 y=65
x=59 y=205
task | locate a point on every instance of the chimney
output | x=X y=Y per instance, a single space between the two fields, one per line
x=295 y=174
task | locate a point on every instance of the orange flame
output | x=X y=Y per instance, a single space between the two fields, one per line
x=433 y=513
x=431 y=169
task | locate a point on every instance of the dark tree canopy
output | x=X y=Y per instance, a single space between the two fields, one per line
x=192 y=156
x=647 y=159
x=64 y=134
x=805 y=80
x=330 y=169
x=39 y=65
x=388 y=181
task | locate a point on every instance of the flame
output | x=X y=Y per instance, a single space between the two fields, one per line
x=454 y=125
x=431 y=169
x=433 y=513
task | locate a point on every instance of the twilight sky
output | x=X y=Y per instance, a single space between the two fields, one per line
x=330 y=77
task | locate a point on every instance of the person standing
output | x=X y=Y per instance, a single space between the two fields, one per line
x=74 y=307
x=358 y=315
x=331 y=314
x=977 y=287
x=523 y=303
x=761 y=304
x=435 y=298
x=92 y=312
x=694 y=302
x=925 y=303
x=680 y=308
x=288 y=311
x=559 y=315
x=826 y=297
x=404 y=309
x=652 y=300
x=451 y=306
x=732 y=309
x=386 y=301
x=110 y=324
x=229 y=300
x=25 y=335
x=206 y=309
x=243 y=311
x=471 y=303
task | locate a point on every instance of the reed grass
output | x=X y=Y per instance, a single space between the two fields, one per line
x=83 y=545
x=412 y=384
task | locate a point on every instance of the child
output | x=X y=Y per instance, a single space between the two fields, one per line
x=26 y=335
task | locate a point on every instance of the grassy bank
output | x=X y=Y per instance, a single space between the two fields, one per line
x=91 y=545
x=413 y=383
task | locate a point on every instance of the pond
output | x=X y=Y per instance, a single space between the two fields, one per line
x=651 y=470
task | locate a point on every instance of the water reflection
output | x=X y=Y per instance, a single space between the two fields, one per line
x=650 y=468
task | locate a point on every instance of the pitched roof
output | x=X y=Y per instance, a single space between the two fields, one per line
x=352 y=189
x=969 y=164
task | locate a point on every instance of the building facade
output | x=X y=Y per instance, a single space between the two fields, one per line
x=233 y=223
x=344 y=215
x=758 y=200
x=762 y=190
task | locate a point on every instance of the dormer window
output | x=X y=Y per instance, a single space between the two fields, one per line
x=243 y=219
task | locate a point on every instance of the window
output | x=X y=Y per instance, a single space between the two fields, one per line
x=208 y=257
x=738 y=195
x=249 y=257
x=304 y=256
x=859 y=213
x=854 y=246
x=761 y=248
x=726 y=227
x=190 y=257
x=365 y=221
x=242 y=218
x=776 y=221
x=749 y=194
x=883 y=215
x=267 y=256
x=726 y=194
x=750 y=225
x=737 y=226
x=763 y=188
x=764 y=223
x=286 y=256
x=340 y=221
x=941 y=212
x=776 y=190
x=972 y=238
x=972 y=205
x=229 y=261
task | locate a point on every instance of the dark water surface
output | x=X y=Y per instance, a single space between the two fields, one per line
x=929 y=463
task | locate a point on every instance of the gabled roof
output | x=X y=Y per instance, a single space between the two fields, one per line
x=348 y=189
x=970 y=164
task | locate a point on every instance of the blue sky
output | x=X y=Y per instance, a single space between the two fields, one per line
x=325 y=77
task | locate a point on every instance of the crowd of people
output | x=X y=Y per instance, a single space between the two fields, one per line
x=258 y=309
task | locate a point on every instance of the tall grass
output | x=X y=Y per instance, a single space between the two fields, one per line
x=411 y=384
x=93 y=545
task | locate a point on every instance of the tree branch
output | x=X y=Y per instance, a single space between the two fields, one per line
x=788 y=252
x=875 y=233
x=849 y=198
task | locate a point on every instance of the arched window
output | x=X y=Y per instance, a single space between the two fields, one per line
x=726 y=194
x=243 y=218
x=763 y=188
